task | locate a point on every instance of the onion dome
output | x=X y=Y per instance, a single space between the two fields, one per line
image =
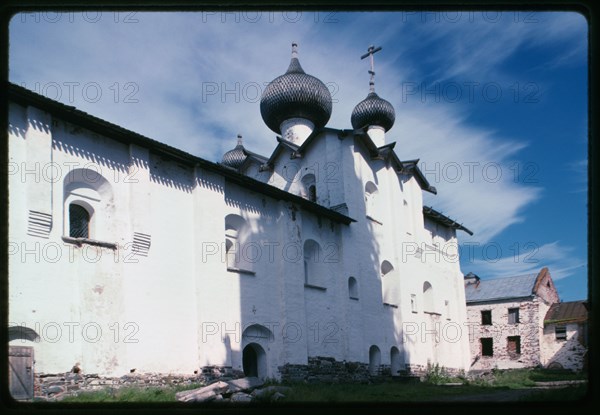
x=373 y=110
x=295 y=94
x=236 y=157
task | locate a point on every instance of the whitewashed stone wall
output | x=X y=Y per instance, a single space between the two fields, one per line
x=568 y=353
x=177 y=307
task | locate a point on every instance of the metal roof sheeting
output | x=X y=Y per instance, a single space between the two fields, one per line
x=501 y=288
x=568 y=312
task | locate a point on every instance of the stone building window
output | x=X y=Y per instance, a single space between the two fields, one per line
x=352 y=288
x=487 y=346
x=560 y=332
x=513 y=346
x=314 y=272
x=310 y=187
x=413 y=303
x=237 y=240
x=389 y=284
x=486 y=317
x=428 y=303
x=513 y=316
x=88 y=209
x=371 y=202
x=79 y=221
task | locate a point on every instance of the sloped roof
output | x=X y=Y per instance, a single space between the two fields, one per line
x=501 y=288
x=568 y=312
x=71 y=114
x=438 y=217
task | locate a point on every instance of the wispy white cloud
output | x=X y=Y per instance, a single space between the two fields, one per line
x=562 y=261
x=198 y=81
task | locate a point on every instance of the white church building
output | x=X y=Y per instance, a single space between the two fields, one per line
x=126 y=253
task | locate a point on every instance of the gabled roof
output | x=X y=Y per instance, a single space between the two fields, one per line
x=384 y=152
x=438 y=217
x=567 y=312
x=70 y=114
x=412 y=167
x=505 y=288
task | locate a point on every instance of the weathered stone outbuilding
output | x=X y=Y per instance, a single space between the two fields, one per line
x=565 y=340
x=506 y=319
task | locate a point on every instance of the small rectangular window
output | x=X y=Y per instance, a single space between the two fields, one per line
x=513 y=346
x=513 y=316
x=486 y=317
x=79 y=221
x=413 y=303
x=487 y=346
x=560 y=332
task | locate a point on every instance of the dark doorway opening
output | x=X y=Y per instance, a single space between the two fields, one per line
x=250 y=361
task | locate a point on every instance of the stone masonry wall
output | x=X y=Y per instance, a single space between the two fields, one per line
x=569 y=353
x=528 y=331
x=54 y=387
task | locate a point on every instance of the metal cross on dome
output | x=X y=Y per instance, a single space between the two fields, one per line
x=370 y=52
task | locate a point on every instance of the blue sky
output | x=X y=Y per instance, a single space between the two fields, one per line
x=494 y=104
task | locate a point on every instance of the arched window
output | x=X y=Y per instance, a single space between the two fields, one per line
x=309 y=187
x=313 y=261
x=371 y=205
x=374 y=360
x=79 y=221
x=353 y=288
x=88 y=206
x=428 y=304
x=389 y=284
x=236 y=236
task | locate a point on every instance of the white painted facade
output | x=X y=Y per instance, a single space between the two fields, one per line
x=389 y=279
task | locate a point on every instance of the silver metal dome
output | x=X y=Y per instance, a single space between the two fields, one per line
x=373 y=110
x=235 y=157
x=295 y=94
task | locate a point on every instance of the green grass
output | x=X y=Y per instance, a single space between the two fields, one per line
x=549 y=375
x=503 y=381
x=383 y=392
x=131 y=394
x=570 y=393
x=523 y=378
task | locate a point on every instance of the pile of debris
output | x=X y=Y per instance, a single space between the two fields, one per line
x=238 y=390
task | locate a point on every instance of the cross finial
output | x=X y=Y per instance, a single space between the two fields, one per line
x=370 y=52
x=294 y=50
x=239 y=139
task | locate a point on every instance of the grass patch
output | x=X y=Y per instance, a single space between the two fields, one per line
x=132 y=394
x=383 y=392
x=431 y=390
x=550 y=375
x=524 y=378
x=513 y=379
x=569 y=393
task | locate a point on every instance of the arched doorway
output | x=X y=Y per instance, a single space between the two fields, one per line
x=20 y=362
x=254 y=361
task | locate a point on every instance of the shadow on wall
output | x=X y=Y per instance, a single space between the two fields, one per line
x=570 y=351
